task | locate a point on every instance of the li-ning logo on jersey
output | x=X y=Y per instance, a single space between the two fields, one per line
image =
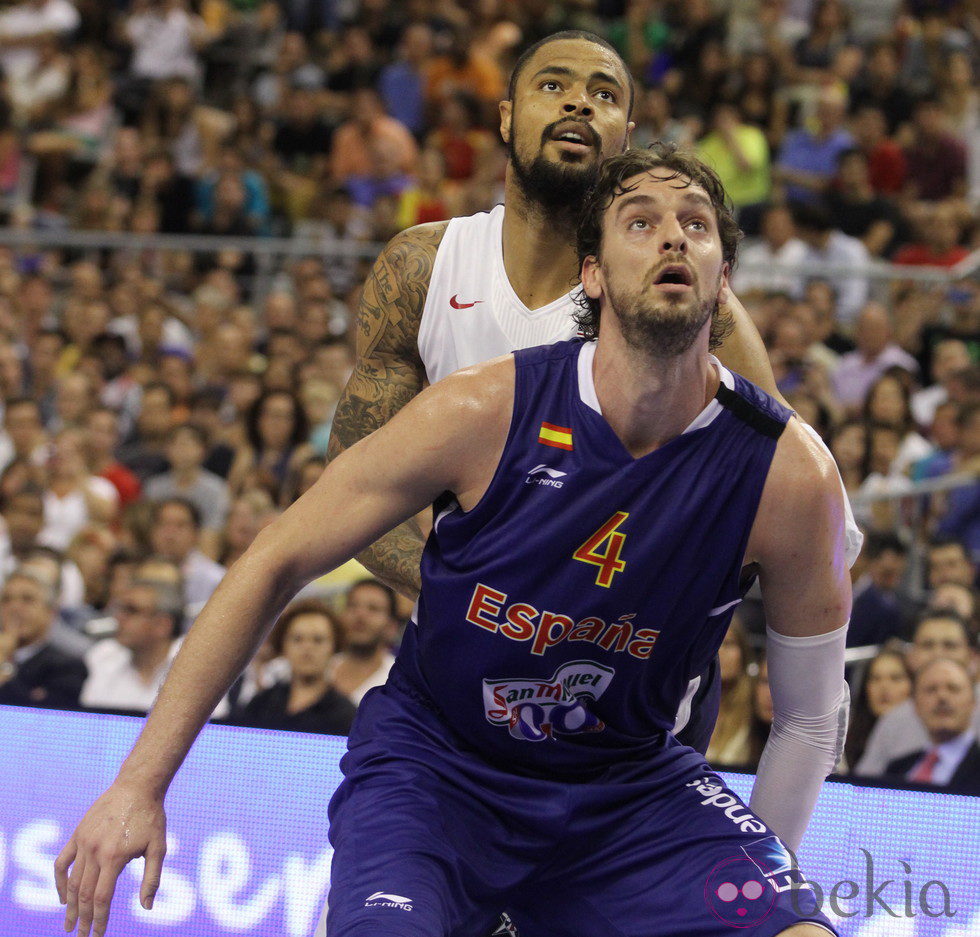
x=535 y=710
x=381 y=899
x=545 y=476
x=506 y=927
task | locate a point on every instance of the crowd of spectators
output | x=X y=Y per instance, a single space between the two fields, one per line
x=160 y=406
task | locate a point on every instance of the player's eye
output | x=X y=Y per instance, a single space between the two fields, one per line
x=606 y=95
x=698 y=224
x=550 y=85
x=638 y=224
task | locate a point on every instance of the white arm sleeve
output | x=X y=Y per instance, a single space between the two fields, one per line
x=810 y=708
x=853 y=538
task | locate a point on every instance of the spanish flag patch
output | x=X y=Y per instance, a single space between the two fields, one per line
x=558 y=436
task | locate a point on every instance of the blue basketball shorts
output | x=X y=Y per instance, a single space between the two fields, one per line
x=431 y=840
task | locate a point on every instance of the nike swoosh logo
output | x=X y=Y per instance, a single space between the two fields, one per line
x=454 y=302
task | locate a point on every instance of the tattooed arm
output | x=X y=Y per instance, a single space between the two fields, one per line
x=387 y=374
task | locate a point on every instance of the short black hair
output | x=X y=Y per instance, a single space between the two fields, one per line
x=526 y=55
x=944 y=614
x=377 y=584
x=886 y=542
x=192 y=509
x=614 y=174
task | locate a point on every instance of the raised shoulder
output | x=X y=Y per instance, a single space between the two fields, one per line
x=473 y=408
x=388 y=371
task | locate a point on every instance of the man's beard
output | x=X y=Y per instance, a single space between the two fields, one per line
x=660 y=329
x=559 y=188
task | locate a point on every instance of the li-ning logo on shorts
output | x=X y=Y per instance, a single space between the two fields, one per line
x=381 y=899
x=546 y=476
x=535 y=710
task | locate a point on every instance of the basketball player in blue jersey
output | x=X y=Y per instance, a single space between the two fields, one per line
x=598 y=503
x=451 y=294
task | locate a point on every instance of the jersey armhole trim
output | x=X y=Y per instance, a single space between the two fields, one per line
x=741 y=408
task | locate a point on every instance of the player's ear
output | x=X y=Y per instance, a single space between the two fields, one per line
x=724 y=288
x=592 y=281
x=506 y=112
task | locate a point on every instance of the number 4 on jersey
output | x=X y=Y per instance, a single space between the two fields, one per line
x=608 y=561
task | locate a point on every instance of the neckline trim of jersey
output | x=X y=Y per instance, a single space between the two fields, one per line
x=497 y=215
x=587 y=393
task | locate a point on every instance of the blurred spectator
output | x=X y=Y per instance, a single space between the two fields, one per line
x=165 y=36
x=33 y=672
x=248 y=514
x=90 y=551
x=879 y=86
x=145 y=452
x=22 y=513
x=292 y=68
x=826 y=246
x=73 y=496
x=777 y=247
x=900 y=732
x=402 y=82
x=277 y=441
x=848 y=447
x=730 y=740
x=101 y=440
x=882 y=608
x=948 y=560
x=808 y=160
x=23 y=26
x=887 y=168
x=308 y=702
x=175 y=536
x=857 y=210
x=460 y=67
x=959 y=516
x=948 y=357
x=888 y=402
x=368 y=135
x=945 y=705
x=23 y=435
x=739 y=153
x=887 y=682
x=876 y=352
x=187 y=478
x=125 y=672
x=368 y=625
x=938 y=243
x=36 y=93
x=936 y=159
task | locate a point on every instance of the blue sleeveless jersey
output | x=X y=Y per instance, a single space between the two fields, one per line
x=562 y=618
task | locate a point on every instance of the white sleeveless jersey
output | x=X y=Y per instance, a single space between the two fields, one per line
x=471 y=312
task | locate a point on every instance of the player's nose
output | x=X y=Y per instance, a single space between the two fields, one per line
x=671 y=235
x=578 y=103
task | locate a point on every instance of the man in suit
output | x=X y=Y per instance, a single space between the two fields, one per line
x=33 y=672
x=944 y=701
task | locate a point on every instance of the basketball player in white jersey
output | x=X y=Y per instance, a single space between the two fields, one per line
x=446 y=295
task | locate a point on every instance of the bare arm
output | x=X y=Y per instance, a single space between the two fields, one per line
x=387 y=374
x=798 y=541
x=450 y=438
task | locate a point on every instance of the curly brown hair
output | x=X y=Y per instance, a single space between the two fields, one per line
x=613 y=181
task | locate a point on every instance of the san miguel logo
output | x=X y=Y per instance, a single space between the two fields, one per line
x=535 y=710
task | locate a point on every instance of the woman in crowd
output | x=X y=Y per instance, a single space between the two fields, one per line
x=306 y=636
x=889 y=402
x=277 y=432
x=887 y=682
x=730 y=741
